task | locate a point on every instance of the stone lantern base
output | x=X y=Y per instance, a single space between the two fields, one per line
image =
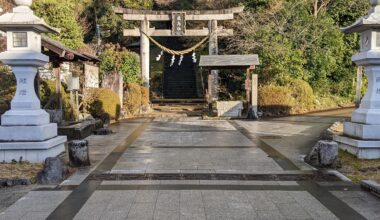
x=29 y=137
x=361 y=140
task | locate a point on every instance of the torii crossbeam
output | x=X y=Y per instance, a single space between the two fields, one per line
x=179 y=19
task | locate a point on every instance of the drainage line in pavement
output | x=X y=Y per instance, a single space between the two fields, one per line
x=202 y=187
x=315 y=176
x=279 y=158
x=75 y=201
x=339 y=208
x=246 y=186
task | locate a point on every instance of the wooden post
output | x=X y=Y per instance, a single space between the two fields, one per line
x=121 y=89
x=248 y=87
x=255 y=94
x=214 y=50
x=145 y=52
x=57 y=74
x=359 y=77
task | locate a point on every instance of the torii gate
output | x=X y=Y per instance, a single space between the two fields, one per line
x=179 y=19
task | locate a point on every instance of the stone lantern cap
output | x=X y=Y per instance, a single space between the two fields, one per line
x=22 y=17
x=371 y=21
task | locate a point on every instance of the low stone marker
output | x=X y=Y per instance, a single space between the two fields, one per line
x=52 y=172
x=79 y=153
x=323 y=154
x=229 y=108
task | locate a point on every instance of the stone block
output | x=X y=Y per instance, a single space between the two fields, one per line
x=323 y=154
x=35 y=152
x=79 y=131
x=25 y=118
x=52 y=172
x=366 y=116
x=363 y=149
x=362 y=131
x=28 y=133
x=79 y=153
x=229 y=108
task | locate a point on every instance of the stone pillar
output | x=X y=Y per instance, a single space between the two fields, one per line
x=214 y=50
x=145 y=53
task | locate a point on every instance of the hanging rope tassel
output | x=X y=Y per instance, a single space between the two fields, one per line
x=194 y=57
x=173 y=61
x=180 y=60
x=159 y=56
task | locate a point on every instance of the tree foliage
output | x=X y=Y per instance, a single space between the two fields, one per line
x=117 y=59
x=301 y=40
x=62 y=14
x=111 y=24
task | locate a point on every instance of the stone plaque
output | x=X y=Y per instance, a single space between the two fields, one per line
x=91 y=74
x=179 y=23
x=229 y=108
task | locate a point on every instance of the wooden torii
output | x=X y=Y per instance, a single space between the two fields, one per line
x=179 y=19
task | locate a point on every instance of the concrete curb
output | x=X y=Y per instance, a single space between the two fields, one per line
x=371 y=186
x=339 y=175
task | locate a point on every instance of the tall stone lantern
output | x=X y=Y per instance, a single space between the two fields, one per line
x=26 y=131
x=362 y=134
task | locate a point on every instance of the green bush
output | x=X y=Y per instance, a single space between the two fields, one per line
x=7 y=89
x=275 y=100
x=132 y=99
x=48 y=97
x=303 y=95
x=103 y=103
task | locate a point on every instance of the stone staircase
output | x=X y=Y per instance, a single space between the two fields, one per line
x=180 y=81
x=178 y=107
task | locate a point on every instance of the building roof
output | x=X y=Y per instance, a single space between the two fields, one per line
x=229 y=61
x=61 y=52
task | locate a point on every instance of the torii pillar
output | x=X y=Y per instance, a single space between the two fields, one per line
x=145 y=53
x=213 y=50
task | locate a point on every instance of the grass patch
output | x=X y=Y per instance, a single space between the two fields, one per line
x=23 y=170
x=358 y=170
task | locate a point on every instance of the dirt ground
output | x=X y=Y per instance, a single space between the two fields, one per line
x=22 y=170
x=358 y=170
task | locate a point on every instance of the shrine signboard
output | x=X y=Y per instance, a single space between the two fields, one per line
x=179 y=23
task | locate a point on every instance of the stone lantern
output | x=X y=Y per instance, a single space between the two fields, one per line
x=26 y=131
x=362 y=134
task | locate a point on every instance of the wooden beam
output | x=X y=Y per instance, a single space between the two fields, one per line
x=168 y=33
x=167 y=17
x=119 y=10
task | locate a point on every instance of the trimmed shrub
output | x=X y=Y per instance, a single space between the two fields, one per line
x=7 y=89
x=303 y=95
x=275 y=100
x=133 y=99
x=103 y=103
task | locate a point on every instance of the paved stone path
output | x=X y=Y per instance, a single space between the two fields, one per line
x=186 y=168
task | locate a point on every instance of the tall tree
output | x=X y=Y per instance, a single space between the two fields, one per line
x=62 y=14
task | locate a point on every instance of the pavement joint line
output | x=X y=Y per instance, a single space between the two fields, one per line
x=79 y=196
x=339 y=208
x=284 y=162
x=196 y=147
x=214 y=176
x=232 y=186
